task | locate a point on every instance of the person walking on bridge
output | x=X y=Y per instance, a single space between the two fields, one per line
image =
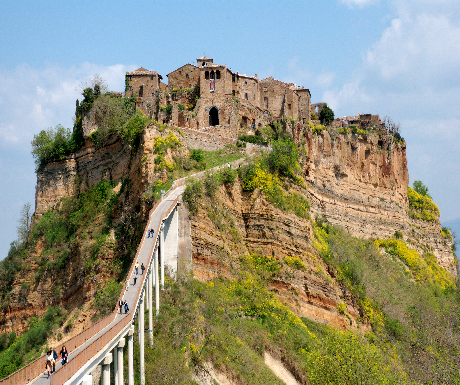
x=120 y=305
x=64 y=355
x=142 y=268
x=136 y=266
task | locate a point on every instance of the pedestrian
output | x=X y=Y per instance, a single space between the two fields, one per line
x=55 y=357
x=136 y=266
x=120 y=304
x=127 y=285
x=142 y=268
x=135 y=279
x=126 y=308
x=152 y=231
x=64 y=355
x=148 y=233
x=49 y=359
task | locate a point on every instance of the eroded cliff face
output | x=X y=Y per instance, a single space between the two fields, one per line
x=235 y=224
x=360 y=183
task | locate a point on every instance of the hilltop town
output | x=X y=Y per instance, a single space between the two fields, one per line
x=212 y=96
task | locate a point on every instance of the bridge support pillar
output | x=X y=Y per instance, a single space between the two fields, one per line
x=131 y=356
x=106 y=369
x=149 y=301
x=162 y=255
x=157 y=284
x=115 y=365
x=119 y=349
x=141 y=337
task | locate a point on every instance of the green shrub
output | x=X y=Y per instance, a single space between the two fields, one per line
x=192 y=193
x=227 y=175
x=197 y=155
x=180 y=107
x=106 y=298
x=421 y=206
x=253 y=139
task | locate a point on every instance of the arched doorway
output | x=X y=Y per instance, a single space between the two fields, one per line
x=213 y=116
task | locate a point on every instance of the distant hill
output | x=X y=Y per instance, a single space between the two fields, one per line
x=454 y=225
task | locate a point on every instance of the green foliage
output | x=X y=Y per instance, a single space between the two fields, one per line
x=18 y=352
x=88 y=99
x=227 y=176
x=126 y=82
x=180 y=107
x=111 y=116
x=421 y=206
x=326 y=115
x=424 y=270
x=316 y=129
x=295 y=262
x=420 y=188
x=343 y=130
x=284 y=159
x=398 y=234
x=313 y=116
x=133 y=129
x=404 y=297
x=345 y=358
x=192 y=193
x=197 y=155
x=255 y=139
x=106 y=298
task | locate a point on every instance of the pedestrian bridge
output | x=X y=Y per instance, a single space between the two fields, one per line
x=103 y=343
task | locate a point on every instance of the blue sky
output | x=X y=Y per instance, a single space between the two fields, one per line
x=396 y=58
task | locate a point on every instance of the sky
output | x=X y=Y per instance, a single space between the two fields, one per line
x=396 y=58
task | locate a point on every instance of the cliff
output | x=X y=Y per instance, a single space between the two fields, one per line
x=360 y=183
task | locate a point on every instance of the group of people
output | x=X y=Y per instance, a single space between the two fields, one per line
x=123 y=305
x=150 y=232
x=135 y=273
x=51 y=358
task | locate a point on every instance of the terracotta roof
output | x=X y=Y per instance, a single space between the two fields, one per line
x=143 y=71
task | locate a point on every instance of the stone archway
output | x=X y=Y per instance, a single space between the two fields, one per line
x=213 y=116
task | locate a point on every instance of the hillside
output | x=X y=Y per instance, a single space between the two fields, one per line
x=315 y=255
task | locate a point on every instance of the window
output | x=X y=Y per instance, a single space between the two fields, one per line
x=217 y=74
x=151 y=77
x=254 y=97
x=206 y=75
x=180 y=72
x=186 y=76
x=246 y=96
x=233 y=92
x=130 y=78
x=245 y=82
x=233 y=78
x=289 y=106
x=130 y=88
x=180 y=87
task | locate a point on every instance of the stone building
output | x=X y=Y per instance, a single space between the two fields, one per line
x=143 y=83
x=209 y=96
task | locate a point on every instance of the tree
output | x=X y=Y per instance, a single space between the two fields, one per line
x=421 y=188
x=24 y=223
x=97 y=83
x=326 y=115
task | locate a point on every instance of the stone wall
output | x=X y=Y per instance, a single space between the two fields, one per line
x=187 y=76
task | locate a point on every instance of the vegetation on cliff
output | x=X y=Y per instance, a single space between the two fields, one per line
x=420 y=204
x=410 y=301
